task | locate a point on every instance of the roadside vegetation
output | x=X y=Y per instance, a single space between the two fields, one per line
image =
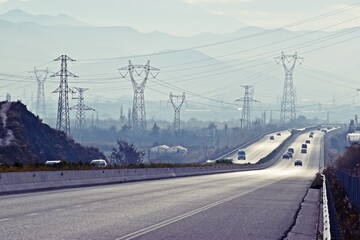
x=30 y=167
x=348 y=214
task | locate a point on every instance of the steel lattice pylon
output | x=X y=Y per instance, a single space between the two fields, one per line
x=139 y=74
x=41 y=76
x=247 y=99
x=180 y=99
x=63 y=118
x=288 y=110
x=80 y=109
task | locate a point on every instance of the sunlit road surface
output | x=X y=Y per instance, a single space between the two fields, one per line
x=243 y=205
x=261 y=148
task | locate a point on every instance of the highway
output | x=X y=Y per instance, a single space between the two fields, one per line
x=261 y=148
x=258 y=204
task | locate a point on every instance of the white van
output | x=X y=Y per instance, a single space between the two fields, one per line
x=52 y=162
x=99 y=162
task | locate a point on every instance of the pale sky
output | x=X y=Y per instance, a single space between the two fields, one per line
x=189 y=17
x=275 y=13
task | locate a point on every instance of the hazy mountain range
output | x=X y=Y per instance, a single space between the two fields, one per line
x=206 y=73
x=171 y=16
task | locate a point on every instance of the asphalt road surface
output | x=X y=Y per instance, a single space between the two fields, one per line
x=261 y=148
x=242 y=205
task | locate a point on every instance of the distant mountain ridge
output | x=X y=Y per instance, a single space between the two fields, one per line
x=19 y=16
x=174 y=17
x=99 y=51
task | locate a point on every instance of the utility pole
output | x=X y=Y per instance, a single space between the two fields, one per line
x=63 y=119
x=80 y=109
x=356 y=117
x=41 y=76
x=180 y=99
x=288 y=112
x=247 y=99
x=8 y=97
x=138 y=74
x=129 y=117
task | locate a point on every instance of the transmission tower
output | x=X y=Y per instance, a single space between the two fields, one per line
x=63 y=119
x=177 y=101
x=247 y=99
x=41 y=76
x=80 y=109
x=288 y=112
x=138 y=74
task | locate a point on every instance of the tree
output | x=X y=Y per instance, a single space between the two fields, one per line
x=126 y=154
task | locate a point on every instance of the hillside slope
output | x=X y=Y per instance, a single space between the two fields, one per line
x=24 y=138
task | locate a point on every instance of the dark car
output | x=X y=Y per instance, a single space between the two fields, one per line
x=307 y=141
x=272 y=138
x=304 y=145
x=290 y=154
x=279 y=134
x=241 y=155
x=311 y=136
x=291 y=150
x=298 y=163
x=286 y=156
x=303 y=150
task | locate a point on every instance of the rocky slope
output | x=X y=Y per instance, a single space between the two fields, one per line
x=25 y=139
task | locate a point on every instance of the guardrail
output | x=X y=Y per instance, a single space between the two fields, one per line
x=326 y=218
x=31 y=181
x=352 y=187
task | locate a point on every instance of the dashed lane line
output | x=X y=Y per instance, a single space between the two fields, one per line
x=191 y=213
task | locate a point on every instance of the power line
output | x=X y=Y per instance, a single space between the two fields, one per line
x=177 y=101
x=288 y=111
x=324 y=15
x=135 y=72
x=63 y=118
x=41 y=76
x=80 y=108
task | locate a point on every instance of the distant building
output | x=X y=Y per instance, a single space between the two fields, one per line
x=354 y=137
x=159 y=149
x=166 y=154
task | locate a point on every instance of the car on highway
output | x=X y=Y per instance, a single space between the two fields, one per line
x=304 y=145
x=279 y=134
x=311 y=133
x=290 y=149
x=298 y=163
x=303 y=150
x=241 y=155
x=311 y=136
x=290 y=154
x=307 y=141
x=286 y=156
x=272 y=137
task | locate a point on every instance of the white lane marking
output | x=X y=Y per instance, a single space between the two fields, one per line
x=77 y=206
x=32 y=214
x=191 y=213
x=5 y=219
x=58 y=210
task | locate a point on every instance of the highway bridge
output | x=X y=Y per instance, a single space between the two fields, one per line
x=260 y=204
